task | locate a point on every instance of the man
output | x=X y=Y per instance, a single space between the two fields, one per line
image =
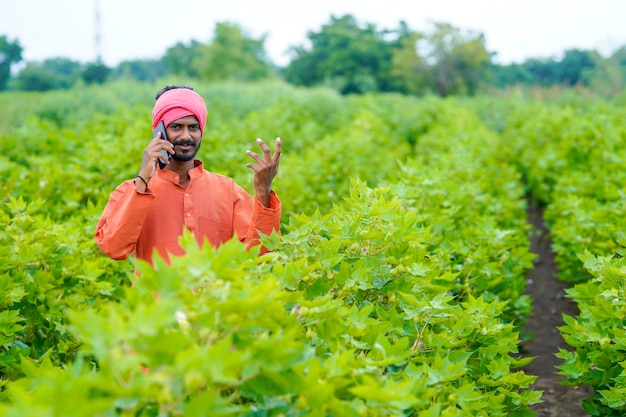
x=150 y=212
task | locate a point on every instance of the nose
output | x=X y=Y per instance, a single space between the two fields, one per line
x=186 y=133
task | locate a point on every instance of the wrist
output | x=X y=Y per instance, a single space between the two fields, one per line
x=141 y=183
x=142 y=179
x=263 y=196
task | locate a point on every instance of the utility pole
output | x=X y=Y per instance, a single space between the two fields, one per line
x=97 y=37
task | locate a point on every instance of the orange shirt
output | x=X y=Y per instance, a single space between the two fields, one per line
x=213 y=207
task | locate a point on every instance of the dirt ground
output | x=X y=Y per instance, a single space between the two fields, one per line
x=549 y=304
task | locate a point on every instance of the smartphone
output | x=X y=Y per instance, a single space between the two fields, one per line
x=166 y=155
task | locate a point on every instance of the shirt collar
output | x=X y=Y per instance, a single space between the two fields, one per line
x=197 y=169
x=171 y=176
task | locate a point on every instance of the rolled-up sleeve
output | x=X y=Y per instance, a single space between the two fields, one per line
x=119 y=227
x=249 y=223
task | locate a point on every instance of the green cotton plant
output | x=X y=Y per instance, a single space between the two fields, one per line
x=71 y=167
x=597 y=336
x=46 y=269
x=224 y=332
x=373 y=254
x=571 y=158
x=582 y=224
x=587 y=214
x=395 y=288
x=161 y=349
x=475 y=202
x=362 y=148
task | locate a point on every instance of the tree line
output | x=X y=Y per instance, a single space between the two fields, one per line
x=344 y=54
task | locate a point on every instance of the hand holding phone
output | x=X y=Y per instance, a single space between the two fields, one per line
x=166 y=155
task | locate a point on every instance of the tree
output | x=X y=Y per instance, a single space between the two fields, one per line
x=409 y=70
x=468 y=63
x=458 y=60
x=508 y=75
x=34 y=78
x=140 y=69
x=51 y=74
x=445 y=61
x=544 y=71
x=179 y=58
x=570 y=70
x=575 y=63
x=10 y=53
x=95 y=73
x=620 y=56
x=352 y=58
x=608 y=76
x=232 y=55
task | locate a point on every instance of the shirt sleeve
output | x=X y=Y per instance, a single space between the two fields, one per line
x=257 y=219
x=121 y=222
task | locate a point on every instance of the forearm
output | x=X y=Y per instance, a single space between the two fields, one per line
x=119 y=227
x=264 y=196
x=265 y=219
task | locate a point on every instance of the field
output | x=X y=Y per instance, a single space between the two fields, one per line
x=399 y=285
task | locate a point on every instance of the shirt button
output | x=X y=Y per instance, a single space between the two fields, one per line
x=188 y=214
x=187 y=194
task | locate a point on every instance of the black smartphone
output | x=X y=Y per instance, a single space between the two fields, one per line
x=166 y=155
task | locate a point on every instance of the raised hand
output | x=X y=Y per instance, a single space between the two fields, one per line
x=151 y=154
x=265 y=169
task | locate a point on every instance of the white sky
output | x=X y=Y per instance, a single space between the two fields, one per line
x=515 y=30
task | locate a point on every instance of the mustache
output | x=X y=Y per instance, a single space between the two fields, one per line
x=184 y=143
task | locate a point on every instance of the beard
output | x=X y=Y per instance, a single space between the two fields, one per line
x=186 y=155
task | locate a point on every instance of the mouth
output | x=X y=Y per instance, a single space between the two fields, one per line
x=185 y=146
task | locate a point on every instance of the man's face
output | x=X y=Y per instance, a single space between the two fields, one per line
x=185 y=135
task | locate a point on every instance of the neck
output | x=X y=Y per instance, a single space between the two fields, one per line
x=181 y=168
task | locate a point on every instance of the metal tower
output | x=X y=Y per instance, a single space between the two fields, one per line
x=97 y=36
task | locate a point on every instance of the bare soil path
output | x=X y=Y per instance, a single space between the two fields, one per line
x=549 y=305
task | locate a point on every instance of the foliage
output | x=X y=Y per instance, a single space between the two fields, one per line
x=455 y=61
x=179 y=58
x=357 y=59
x=598 y=336
x=408 y=68
x=95 y=73
x=43 y=263
x=161 y=350
x=351 y=58
x=146 y=70
x=502 y=76
x=569 y=70
x=232 y=55
x=608 y=77
x=10 y=54
x=397 y=287
x=401 y=294
x=50 y=74
x=570 y=151
x=575 y=64
x=571 y=158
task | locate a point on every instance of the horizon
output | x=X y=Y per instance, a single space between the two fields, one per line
x=119 y=31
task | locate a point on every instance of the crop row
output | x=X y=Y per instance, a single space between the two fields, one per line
x=573 y=158
x=397 y=287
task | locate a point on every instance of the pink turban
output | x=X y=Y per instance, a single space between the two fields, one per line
x=177 y=103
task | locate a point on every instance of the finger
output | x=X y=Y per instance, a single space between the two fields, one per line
x=278 y=150
x=159 y=144
x=266 y=149
x=254 y=156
